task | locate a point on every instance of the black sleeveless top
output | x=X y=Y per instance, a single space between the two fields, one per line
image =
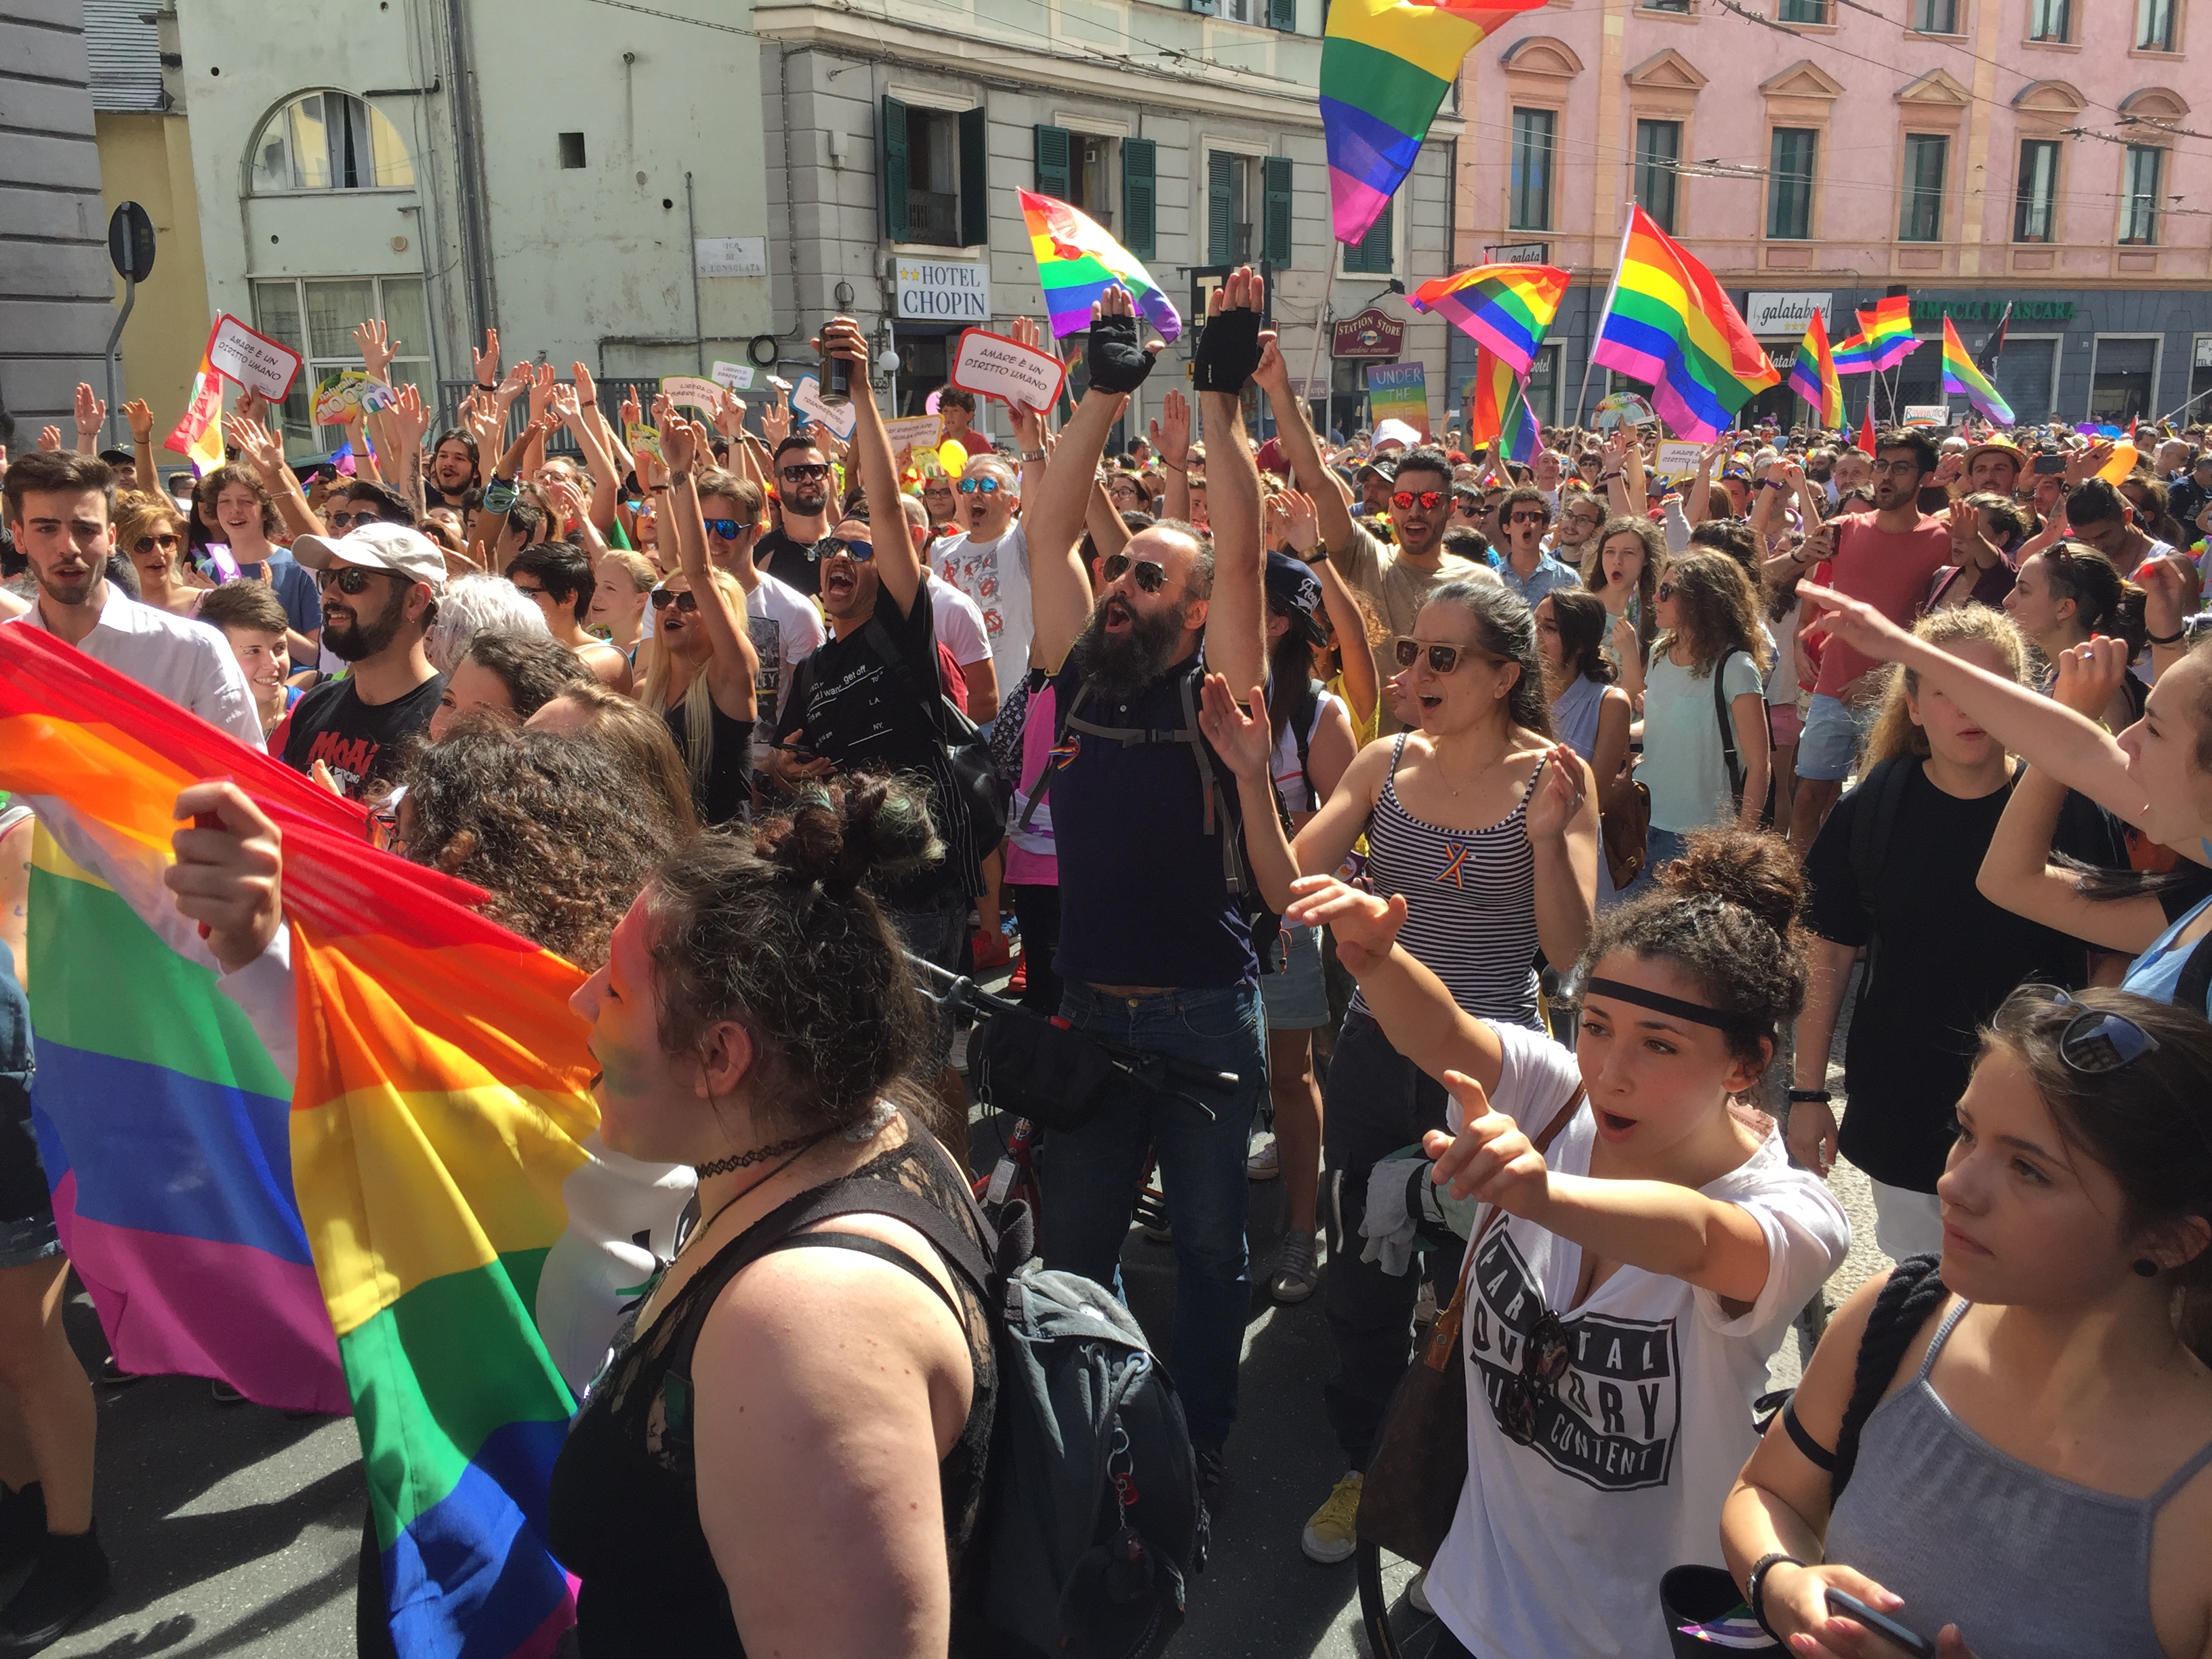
x=624 y=1508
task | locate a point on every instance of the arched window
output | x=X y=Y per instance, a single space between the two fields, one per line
x=330 y=141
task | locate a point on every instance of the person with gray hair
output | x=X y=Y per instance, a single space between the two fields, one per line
x=472 y=605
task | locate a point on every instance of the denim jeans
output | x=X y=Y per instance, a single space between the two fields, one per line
x=935 y=931
x=1090 y=1177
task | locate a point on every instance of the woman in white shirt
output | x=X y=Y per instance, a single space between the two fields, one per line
x=1627 y=1285
x=1709 y=613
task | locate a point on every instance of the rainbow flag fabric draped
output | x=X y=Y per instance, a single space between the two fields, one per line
x=199 y=434
x=442 y=1108
x=1385 y=68
x=1888 y=330
x=1667 y=322
x=1813 y=377
x=1503 y=308
x=1961 y=376
x=1853 y=357
x=1077 y=262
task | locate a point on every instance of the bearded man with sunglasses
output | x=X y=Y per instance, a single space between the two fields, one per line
x=803 y=485
x=380 y=584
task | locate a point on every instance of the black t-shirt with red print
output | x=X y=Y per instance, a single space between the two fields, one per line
x=357 y=740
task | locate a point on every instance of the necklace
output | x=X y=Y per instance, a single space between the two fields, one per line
x=758 y=1154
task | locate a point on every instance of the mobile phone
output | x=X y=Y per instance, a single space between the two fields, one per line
x=2045 y=465
x=1889 y=1630
x=835 y=379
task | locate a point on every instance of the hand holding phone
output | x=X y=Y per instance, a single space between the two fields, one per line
x=1844 y=1605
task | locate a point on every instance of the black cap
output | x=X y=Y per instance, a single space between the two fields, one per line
x=1295 y=591
x=1382 y=465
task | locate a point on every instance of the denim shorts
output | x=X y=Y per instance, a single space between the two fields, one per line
x=1834 y=730
x=27 y=1210
x=1297 y=1000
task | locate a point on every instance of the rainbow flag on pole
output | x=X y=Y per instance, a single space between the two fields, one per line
x=1961 y=376
x=440 y=1143
x=1503 y=308
x=1667 y=322
x=1813 y=375
x=1385 y=68
x=1888 y=330
x=199 y=434
x=1077 y=262
x=1853 y=357
x=1497 y=412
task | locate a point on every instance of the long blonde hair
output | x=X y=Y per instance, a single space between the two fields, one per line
x=1895 y=731
x=660 y=670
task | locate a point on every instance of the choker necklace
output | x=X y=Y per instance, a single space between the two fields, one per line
x=758 y=1154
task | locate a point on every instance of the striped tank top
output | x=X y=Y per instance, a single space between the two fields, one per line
x=1470 y=902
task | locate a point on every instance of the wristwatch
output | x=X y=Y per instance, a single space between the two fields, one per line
x=1032 y=454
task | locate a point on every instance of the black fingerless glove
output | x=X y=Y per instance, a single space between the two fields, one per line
x=1228 y=352
x=1118 y=362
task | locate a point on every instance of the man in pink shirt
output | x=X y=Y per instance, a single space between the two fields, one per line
x=1885 y=557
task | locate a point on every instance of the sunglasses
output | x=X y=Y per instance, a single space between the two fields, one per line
x=342 y=521
x=806 y=471
x=1443 y=659
x=662 y=599
x=1544 y=1363
x=1664 y=590
x=1151 y=577
x=988 y=486
x=148 y=543
x=351 y=579
x=726 y=530
x=830 y=546
x=1527 y=518
x=2095 y=1042
x=1429 y=499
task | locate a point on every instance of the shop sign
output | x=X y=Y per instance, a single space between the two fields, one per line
x=1988 y=311
x=1788 y=314
x=1371 y=334
x=944 y=290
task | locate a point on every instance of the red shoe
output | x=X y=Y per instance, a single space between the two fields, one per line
x=1020 y=982
x=990 y=949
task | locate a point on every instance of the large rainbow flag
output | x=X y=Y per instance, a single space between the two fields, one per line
x=1503 y=308
x=1385 y=68
x=1888 y=330
x=1667 y=322
x=1497 y=410
x=1077 y=262
x=440 y=1143
x=1813 y=377
x=1854 y=355
x=1960 y=375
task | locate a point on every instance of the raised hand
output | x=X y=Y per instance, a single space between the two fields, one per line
x=1950 y=469
x=730 y=415
x=1856 y=623
x=776 y=419
x=2166 y=592
x=1119 y=356
x=484 y=365
x=631 y=414
x=377 y=348
x=541 y=390
x=517 y=382
x=90 y=412
x=1243 y=741
x=481 y=418
x=1171 y=431
x=564 y=406
x=406 y=419
x=142 y=421
x=1490 y=1160
x=50 y=437
x=1364 y=925
x=679 y=446
x=568 y=501
x=1273 y=373
x=249 y=404
x=1558 y=798
x=1964 y=524
x=2089 y=675
x=253 y=439
x=1301 y=520
x=1231 y=348
x=2083 y=465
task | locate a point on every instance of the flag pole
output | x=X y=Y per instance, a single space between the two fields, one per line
x=1321 y=326
x=1589 y=362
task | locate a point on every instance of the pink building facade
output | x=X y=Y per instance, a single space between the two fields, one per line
x=1815 y=153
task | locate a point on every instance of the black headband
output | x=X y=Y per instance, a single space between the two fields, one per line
x=1696 y=1013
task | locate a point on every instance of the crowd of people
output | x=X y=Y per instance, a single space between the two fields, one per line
x=1523 y=836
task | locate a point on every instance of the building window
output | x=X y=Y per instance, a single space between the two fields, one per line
x=1920 y=216
x=1140 y=199
x=2123 y=381
x=571 y=149
x=2051 y=20
x=1533 y=134
x=1658 y=147
x=934 y=165
x=2200 y=368
x=330 y=141
x=1275 y=247
x=2035 y=210
x=2146 y=164
x=2153 y=25
x=1079 y=169
x=1789 y=184
x=1803 y=11
x=1680 y=8
x=316 y=317
x=1228 y=208
x=1935 y=16
x=1371 y=256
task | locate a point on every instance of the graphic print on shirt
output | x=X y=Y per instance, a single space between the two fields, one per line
x=767 y=635
x=1613 y=1421
x=348 y=758
x=1454 y=870
x=977 y=575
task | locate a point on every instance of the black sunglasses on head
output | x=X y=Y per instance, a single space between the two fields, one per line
x=1150 y=576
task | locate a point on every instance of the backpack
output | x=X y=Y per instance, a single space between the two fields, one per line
x=1091 y=1525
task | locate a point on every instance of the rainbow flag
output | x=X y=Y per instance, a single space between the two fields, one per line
x=199 y=434
x=1814 y=376
x=1667 y=322
x=1888 y=330
x=1497 y=412
x=440 y=1143
x=1077 y=262
x=1961 y=376
x=1505 y=309
x=1385 y=68
x=1853 y=357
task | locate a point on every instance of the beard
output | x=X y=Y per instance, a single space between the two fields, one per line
x=1122 y=665
x=357 y=641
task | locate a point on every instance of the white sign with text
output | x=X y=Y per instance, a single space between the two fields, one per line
x=1788 y=314
x=730 y=256
x=943 y=291
x=690 y=389
x=738 y=377
x=1677 y=460
x=806 y=398
x=914 y=432
x=992 y=366
x=254 y=361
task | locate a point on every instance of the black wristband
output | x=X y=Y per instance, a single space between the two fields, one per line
x=1820 y=1095
x=2174 y=638
x=1754 y=1586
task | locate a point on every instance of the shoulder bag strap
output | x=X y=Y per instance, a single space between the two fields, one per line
x=1062 y=720
x=1730 y=758
x=1542 y=1142
x=879 y=636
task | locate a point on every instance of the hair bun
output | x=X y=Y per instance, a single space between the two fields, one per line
x=840 y=834
x=1745 y=867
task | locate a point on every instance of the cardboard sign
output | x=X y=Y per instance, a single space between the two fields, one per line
x=992 y=366
x=914 y=432
x=1677 y=460
x=254 y=361
x=1399 y=391
x=690 y=389
x=640 y=438
x=339 y=400
x=806 y=398
x=1927 y=413
x=738 y=377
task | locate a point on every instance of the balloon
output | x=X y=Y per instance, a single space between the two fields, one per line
x=929 y=404
x=953 y=457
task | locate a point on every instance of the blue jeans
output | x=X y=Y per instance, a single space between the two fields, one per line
x=1090 y=1176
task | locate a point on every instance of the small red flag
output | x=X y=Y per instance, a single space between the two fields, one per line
x=1865 y=426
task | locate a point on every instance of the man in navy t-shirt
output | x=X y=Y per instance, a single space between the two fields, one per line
x=1154 y=947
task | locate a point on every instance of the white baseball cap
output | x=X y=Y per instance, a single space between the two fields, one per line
x=1395 y=432
x=394 y=547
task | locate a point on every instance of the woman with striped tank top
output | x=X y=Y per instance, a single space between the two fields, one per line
x=1489 y=829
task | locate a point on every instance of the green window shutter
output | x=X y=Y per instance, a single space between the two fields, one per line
x=1211 y=8
x=1054 y=174
x=1283 y=14
x=1139 y=196
x=1275 y=172
x=974 y=178
x=1371 y=257
x=892 y=142
x=1220 y=204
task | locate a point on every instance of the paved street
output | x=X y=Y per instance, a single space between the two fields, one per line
x=236 y=1530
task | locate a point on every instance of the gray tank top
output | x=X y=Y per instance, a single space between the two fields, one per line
x=2045 y=1569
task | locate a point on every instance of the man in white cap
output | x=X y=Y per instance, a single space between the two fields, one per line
x=380 y=585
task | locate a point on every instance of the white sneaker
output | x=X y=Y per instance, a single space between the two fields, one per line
x=1296 y=1274
x=1332 y=1532
x=1265 y=1163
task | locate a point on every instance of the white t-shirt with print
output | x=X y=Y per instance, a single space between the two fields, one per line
x=786 y=631
x=996 y=576
x=1558 y=1546
x=960 y=623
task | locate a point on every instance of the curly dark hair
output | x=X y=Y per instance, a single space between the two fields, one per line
x=1719 y=612
x=777 y=930
x=1725 y=913
x=548 y=827
x=534 y=668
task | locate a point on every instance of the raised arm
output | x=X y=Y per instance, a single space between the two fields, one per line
x=1108 y=534
x=1362 y=690
x=142 y=471
x=265 y=455
x=1171 y=438
x=1308 y=466
x=734 y=667
x=91 y=413
x=1236 y=621
x=897 y=564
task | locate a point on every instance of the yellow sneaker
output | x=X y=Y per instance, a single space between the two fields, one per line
x=1332 y=1532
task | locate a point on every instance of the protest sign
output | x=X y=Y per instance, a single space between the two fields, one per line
x=339 y=399
x=992 y=366
x=254 y=361
x=914 y=432
x=1678 y=459
x=641 y=439
x=1399 y=391
x=738 y=377
x=690 y=389
x=806 y=398
x=1928 y=415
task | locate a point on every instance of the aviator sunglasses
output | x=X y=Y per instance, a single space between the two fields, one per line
x=1150 y=576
